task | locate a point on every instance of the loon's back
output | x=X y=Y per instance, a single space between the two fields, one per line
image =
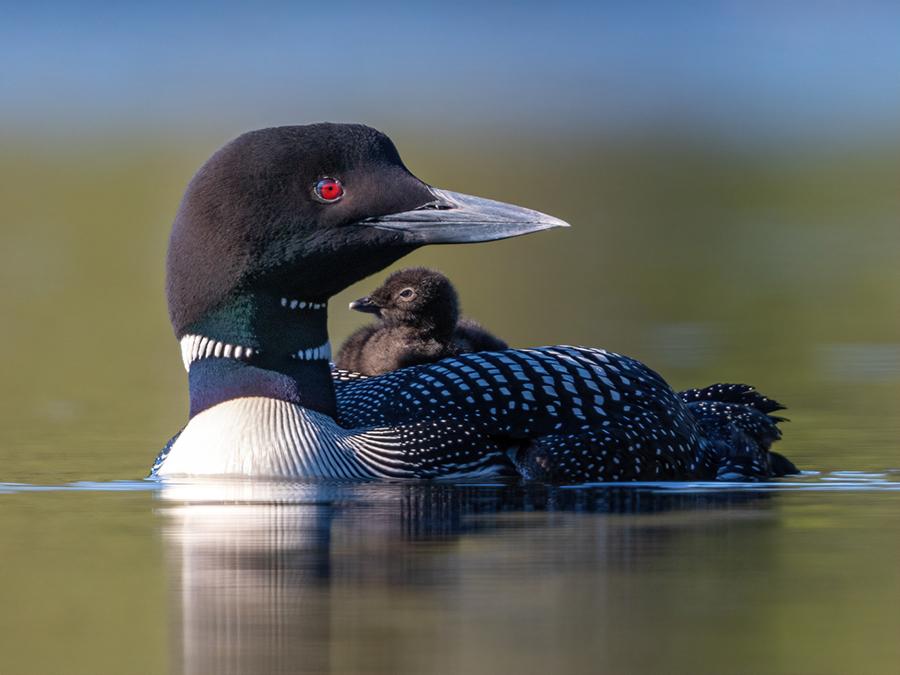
x=569 y=414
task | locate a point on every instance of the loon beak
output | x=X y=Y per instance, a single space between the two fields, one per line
x=365 y=305
x=455 y=218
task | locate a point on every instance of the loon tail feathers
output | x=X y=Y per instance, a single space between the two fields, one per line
x=739 y=428
x=742 y=394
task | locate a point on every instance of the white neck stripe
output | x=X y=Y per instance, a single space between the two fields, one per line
x=320 y=353
x=302 y=304
x=196 y=347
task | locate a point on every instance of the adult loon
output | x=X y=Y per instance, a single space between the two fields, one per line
x=279 y=220
x=419 y=323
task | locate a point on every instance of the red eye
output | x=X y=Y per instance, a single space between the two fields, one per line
x=329 y=190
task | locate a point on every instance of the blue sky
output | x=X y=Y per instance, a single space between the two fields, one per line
x=762 y=68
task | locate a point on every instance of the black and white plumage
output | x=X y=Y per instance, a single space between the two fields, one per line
x=505 y=405
x=256 y=251
x=737 y=423
x=569 y=414
x=557 y=414
x=419 y=322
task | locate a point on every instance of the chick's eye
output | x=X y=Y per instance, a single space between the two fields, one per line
x=329 y=190
x=407 y=294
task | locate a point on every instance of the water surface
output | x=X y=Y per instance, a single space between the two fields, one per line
x=203 y=577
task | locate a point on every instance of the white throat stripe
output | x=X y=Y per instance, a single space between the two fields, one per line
x=302 y=304
x=320 y=353
x=196 y=347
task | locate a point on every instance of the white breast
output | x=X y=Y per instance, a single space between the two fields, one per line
x=258 y=436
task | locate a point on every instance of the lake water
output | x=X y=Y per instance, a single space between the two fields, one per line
x=799 y=576
x=772 y=271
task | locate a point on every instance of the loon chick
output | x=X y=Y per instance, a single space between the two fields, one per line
x=278 y=221
x=420 y=323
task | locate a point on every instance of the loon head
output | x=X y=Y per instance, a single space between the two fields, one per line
x=416 y=297
x=305 y=211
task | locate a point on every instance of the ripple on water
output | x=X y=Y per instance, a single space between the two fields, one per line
x=83 y=486
x=207 y=489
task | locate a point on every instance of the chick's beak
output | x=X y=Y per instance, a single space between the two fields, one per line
x=365 y=305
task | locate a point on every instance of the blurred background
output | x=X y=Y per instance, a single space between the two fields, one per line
x=730 y=171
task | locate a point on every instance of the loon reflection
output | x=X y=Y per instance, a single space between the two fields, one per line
x=314 y=577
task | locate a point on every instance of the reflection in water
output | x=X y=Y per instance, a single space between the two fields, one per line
x=250 y=577
x=289 y=577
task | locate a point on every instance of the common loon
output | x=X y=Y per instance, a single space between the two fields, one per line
x=420 y=323
x=278 y=221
